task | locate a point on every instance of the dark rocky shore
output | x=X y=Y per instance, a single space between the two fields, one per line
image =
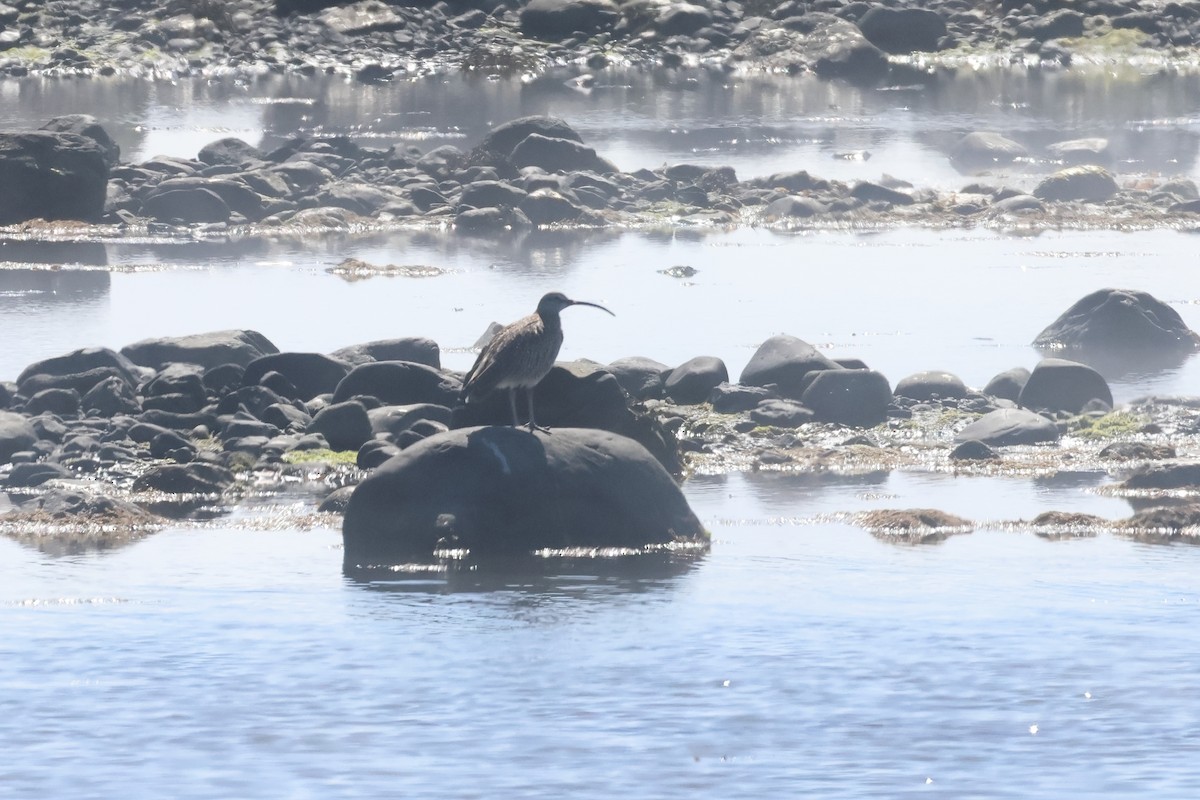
x=112 y=443
x=381 y=39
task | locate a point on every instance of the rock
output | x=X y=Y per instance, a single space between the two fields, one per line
x=501 y=140
x=230 y=151
x=1060 y=385
x=188 y=206
x=16 y=434
x=558 y=155
x=1088 y=183
x=1119 y=320
x=345 y=426
x=931 y=384
x=497 y=490
x=33 y=474
x=1018 y=204
x=682 y=19
x=491 y=194
x=1064 y=23
x=857 y=397
x=781 y=413
x=1183 y=475
x=63 y=402
x=1009 y=426
x=59 y=504
x=81 y=362
x=732 y=398
x=398 y=383
x=558 y=19
x=902 y=30
x=973 y=450
x=547 y=207
x=393 y=420
x=871 y=192
x=310 y=373
x=51 y=176
x=368 y=16
x=986 y=149
x=641 y=378
x=794 y=207
x=198 y=477
x=224 y=378
x=1164 y=520
x=88 y=126
x=914 y=525
x=1136 y=451
x=286 y=417
x=205 y=349
x=1007 y=385
x=373 y=453
x=1081 y=151
x=111 y=397
x=416 y=349
x=336 y=501
x=693 y=380
x=786 y=362
x=818 y=42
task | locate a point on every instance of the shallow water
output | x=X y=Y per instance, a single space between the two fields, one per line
x=801 y=657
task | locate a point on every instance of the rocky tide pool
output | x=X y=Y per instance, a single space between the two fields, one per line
x=1033 y=644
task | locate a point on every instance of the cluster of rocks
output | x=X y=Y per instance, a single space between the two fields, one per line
x=175 y=419
x=528 y=173
x=379 y=39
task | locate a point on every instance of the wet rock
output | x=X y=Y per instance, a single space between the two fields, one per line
x=871 y=192
x=1064 y=23
x=931 y=384
x=641 y=378
x=781 y=413
x=817 y=42
x=693 y=380
x=110 y=397
x=229 y=151
x=558 y=155
x=208 y=350
x=794 y=207
x=973 y=450
x=336 y=501
x=223 y=378
x=1088 y=183
x=171 y=445
x=241 y=427
x=1136 y=451
x=51 y=176
x=1119 y=320
x=368 y=16
x=1169 y=520
x=63 y=402
x=28 y=475
x=785 y=362
x=345 y=426
x=310 y=374
x=491 y=194
x=902 y=30
x=88 y=126
x=1009 y=426
x=682 y=19
x=16 y=434
x=547 y=207
x=361 y=198
x=1077 y=152
x=986 y=149
x=398 y=383
x=198 y=477
x=501 y=140
x=1057 y=384
x=373 y=453
x=394 y=420
x=59 y=504
x=417 y=349
x=1007 y=385
x=1018 y=204
x=857 y=397
x=558 y=19
x=497 y=490
x=286 y=417
x=732 y=398
x=1183 y=475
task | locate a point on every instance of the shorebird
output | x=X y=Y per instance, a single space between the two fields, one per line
x=520 y=354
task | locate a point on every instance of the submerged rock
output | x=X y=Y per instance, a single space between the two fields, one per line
x=498 y=490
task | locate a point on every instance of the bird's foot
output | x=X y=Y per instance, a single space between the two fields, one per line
x=533 y=426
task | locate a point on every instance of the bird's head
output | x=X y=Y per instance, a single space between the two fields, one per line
x=555 y=302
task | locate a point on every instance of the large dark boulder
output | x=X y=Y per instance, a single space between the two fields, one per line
x=902 y=30
x=815 y=42
x=506 y=491
x=786 y=362
x=502 y=139
x=984 y=150
x=641 y=377
x=196 y=478
x=189 y=206
x=694 y=380
x=398 y=383
x=51 y=176
x=1119 y=320
x=1007 y=385
x=92 y=363
x=558 y=155
x=206 y=349
x=230 y=151
x=1087 y=183
x=558 y=19
x=857 y=397
x=310 y=373
x=345 y=426
x=417 y=349
x=931 y=384
x=1061 y=385
x=90 y=127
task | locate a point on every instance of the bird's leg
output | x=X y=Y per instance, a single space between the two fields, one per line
x=512 y=404
x=533 y=426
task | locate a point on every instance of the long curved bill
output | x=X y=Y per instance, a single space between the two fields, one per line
x=593 y=305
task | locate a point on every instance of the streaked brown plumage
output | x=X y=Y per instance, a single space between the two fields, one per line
x=520 y=354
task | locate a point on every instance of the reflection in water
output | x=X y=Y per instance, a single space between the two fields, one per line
x=29 y=289
x=91 y=254
x=573 y=576
x=1125 y=366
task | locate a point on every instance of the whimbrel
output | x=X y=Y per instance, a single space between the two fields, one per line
x=520 y=354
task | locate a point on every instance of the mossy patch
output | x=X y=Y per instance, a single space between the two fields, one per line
x=1110 y=426
x=321 y=456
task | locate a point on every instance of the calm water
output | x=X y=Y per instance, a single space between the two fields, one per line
x=801 y=657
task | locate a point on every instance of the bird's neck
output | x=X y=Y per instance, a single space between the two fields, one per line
x=551 y=322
